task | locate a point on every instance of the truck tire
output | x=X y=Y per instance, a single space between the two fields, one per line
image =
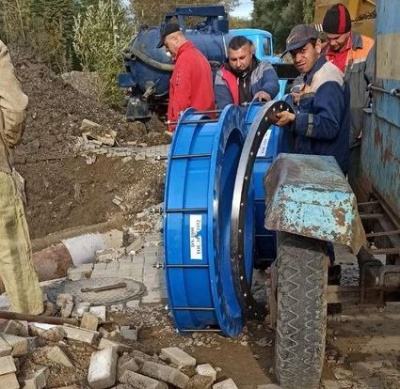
x=301 y=311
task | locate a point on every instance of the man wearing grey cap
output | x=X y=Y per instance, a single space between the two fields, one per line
x=191 y=81
x=321 y=121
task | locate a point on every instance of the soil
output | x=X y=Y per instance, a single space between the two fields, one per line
x=62 y=189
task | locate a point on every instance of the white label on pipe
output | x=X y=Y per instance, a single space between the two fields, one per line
x=196 y=251
x=262 y=150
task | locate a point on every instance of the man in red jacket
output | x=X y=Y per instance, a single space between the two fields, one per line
x=191 y=81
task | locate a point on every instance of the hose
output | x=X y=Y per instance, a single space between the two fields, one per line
x=159 y=65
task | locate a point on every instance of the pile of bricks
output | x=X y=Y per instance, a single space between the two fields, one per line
x=116 y=362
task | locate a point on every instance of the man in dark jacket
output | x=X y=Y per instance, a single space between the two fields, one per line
x=191 y=81
x=321 y=122
x=243 y=77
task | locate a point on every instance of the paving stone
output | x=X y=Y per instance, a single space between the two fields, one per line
x=100 y=311
x=103 y=368
x=178 y=357
x=165 y=373
x=18 y=343
x=119 y=347
x=7 y=365
x=89 y=321
x=139 y=381
x=207 y=370
x=129 y=333
x=80 y=334
x=9 y=381
x=126 y=362
x=58 y=356
x=5 y=348
x=13 y=328
x=226 y=384
x=37 y=379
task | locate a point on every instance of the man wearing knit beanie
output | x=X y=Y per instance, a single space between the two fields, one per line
x=354 y=55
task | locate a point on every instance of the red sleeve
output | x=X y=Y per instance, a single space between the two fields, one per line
x=182 y=86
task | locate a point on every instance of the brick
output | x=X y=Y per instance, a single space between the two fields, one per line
x=178 y=357
x=80 y=334
x=9 y=381
x=19 y=344
x=165 y=373
x=103 y=368
x=37 y=379
x=207 y=370
x=139 y=381
x=5 y=348
x=89 y=321
x=226 y=384
x=7 y=365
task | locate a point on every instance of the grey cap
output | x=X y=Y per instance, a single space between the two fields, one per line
x=300 y=36
x=168 y=29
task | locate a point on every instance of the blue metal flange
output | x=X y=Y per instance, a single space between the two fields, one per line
x=202 y=165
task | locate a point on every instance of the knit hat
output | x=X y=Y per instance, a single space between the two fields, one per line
x=337 y=20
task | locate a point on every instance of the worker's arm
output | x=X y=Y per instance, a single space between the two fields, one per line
x=13 y=101
x=265 y=80
x=328 y=107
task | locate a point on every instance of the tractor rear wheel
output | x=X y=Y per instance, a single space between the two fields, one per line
x=301 y=311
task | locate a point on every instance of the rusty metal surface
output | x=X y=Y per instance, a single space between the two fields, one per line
x=309 y=196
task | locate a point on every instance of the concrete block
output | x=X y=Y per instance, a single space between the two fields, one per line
x=7 y=365
x=178 y=357
x=56 y=355
x=5 y=348
x=37 y=379
x=125 y=363
x=18 y=343
x=226 y=384
x=12 y=327
x=80 y=334
x=207 y=370
x=9 y=381
x=89 y=321
x=165 y=373
x=103 y=368
x=200 y=382
x=139 y=381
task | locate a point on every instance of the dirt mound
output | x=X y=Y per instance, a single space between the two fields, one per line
x=62 y=189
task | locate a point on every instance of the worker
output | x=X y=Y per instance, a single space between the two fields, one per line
x=16 y=268
x=191 y=83
x=354 y=55
x=243 y=77
x=321 y=121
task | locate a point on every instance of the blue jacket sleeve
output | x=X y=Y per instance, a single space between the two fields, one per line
x=265 y=79
x=322 y=120
x=222 y=94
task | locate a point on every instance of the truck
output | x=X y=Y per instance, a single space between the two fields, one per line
x=212 y=219
x=148 y=68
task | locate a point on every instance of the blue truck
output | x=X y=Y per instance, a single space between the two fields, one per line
x=148 y=68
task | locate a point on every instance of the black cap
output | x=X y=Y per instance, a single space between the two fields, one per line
x=337 y=20
x=300 y=36
x=164 y=32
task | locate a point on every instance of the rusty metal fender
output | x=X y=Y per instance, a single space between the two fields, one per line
x=308 y=195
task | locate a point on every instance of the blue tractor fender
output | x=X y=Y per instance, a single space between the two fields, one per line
x=308 y=195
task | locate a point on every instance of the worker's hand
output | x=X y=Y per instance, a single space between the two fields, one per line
x=262 y=96
x=295 y=97
x=282 y=119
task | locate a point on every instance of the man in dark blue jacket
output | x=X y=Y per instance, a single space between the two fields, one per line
x=243 y=77
x=321 y=122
